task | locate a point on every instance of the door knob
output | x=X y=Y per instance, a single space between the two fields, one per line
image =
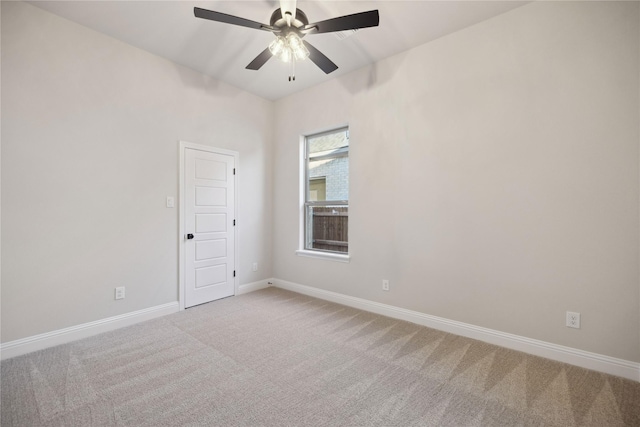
x=189 y=236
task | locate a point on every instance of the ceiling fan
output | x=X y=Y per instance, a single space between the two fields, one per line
x=290 y=25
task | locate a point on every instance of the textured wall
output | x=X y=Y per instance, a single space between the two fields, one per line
x=504 y=159
x=90 y=132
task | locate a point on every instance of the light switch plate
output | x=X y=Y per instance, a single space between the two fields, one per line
x=170 y=202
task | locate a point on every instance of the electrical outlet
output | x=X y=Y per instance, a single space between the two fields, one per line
x=573 y=320
x=254 y=267
x=385 y=285
x=120 y=292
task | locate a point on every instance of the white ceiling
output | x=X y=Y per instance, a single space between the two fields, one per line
x=170 y=30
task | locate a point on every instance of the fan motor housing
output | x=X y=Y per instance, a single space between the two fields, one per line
x=278 y=21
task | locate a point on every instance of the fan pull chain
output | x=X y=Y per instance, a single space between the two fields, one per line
x=292 y=77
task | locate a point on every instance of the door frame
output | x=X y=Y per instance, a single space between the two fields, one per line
x=183 y=146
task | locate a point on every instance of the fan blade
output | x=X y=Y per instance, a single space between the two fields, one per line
x=320 y=59
x=260 y=60
x=228 y=19
x=347 y=22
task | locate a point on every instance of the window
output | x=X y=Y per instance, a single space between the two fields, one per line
x=326 y=193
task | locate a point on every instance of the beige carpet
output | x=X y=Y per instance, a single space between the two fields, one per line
x=276 y=358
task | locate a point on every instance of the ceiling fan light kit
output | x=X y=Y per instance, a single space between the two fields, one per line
x=290 y=26
x=286 y=49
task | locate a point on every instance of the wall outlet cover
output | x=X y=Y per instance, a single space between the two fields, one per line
x=573 y=319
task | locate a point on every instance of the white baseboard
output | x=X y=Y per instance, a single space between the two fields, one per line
x=254 y=286
x=73 y=333
x=62 y=336
x=584 y=359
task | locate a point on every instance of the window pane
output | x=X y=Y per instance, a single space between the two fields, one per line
x=328 y=160
x=327 y=228
x=328 y=143
x=326 y=204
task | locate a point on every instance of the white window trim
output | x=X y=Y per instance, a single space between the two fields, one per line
x=331 y=256
x=301 y=251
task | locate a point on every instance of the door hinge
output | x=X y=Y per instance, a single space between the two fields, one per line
x=234 y=222
x=234 y=273
x=234 y=171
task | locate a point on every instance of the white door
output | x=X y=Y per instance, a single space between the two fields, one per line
x=209 y=222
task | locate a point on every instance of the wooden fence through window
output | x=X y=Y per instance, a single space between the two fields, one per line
x=330 y=228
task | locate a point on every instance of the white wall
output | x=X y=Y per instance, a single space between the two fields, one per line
x=494 y=176
x=90 y=132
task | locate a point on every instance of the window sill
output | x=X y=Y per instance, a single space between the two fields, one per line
x=323 y=255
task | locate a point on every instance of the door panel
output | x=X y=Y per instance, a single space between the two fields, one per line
x=210 y=276
x=209 y=213
x=211 y=169
x=209 y=249
x=211 y=223
x=206 y=196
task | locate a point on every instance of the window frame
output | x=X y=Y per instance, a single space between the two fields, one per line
x=303 y=249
